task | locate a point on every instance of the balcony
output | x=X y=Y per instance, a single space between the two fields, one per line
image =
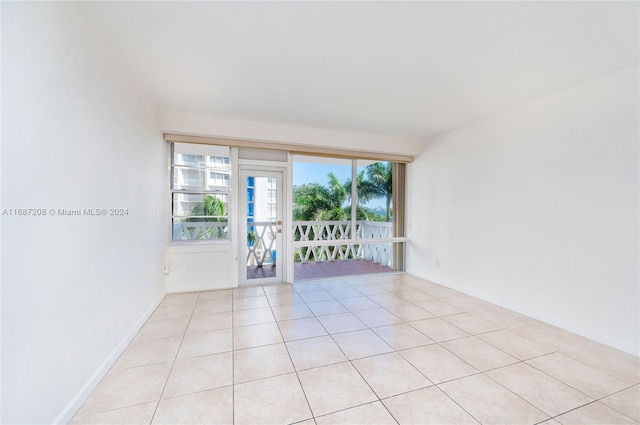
x=334 y=241
x=200 y=230
x=321 y=249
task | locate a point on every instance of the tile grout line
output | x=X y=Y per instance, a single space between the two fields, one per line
x=351 y=362
x=480 y=372
x=625 y=389
x=474 y=335
x=593 y=399
x=434 y=384
x=520 y=397
x=233 y=360
x=316 y=316
x=439 y=344
x=408 y=362
x=373 y=330
x=475 y=374
x=286 y=347
x=164 y=387
x=565 y=383
x=589 y=366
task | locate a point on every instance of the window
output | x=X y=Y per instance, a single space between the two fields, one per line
x=189 y=159
x=200 y=190
x=271 y=195
x=218 y=179
x=271 y=213
x=190 y=178
x=353 y=202
x=220 y=162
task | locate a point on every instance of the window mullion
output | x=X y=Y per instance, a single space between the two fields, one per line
x=354 y=197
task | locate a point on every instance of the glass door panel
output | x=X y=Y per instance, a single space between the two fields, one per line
x=261 y=227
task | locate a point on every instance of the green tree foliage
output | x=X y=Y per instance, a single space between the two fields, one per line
x=315 y=202
x=214 y=210
x=209 y=206
x=379 y=184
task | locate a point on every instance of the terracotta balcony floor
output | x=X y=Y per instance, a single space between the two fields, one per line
x=322 y=269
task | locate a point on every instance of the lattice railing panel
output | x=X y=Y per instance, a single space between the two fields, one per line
x=320 y=231
x=260 y=251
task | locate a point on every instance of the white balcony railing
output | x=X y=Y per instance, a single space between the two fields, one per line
x=337 y=240
x=312 y=240
x=206 y=230
x=261 y=243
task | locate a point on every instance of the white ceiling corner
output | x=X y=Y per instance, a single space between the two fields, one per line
x=412 y=69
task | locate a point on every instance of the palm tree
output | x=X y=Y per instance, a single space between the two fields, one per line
x=210 y=206
x=314 y=201
x=364 y=195
x=209 y=209
x=339 y=191
x=310 y=201
x=379 y=184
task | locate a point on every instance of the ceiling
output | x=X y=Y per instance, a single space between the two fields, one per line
x=413 y=69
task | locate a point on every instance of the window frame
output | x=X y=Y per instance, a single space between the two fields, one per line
x=206 y=167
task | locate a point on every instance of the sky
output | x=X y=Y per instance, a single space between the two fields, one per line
x=309 y=172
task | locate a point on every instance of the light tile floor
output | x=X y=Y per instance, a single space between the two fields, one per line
x=370 y=350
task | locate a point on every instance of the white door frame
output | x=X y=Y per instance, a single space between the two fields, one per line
x=282 y=244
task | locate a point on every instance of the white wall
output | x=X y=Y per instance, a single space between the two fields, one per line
x=201 y=266
x=536 y=209
x=207 y=125
x=76 y=133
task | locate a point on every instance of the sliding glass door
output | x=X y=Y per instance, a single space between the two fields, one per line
x=348 y=217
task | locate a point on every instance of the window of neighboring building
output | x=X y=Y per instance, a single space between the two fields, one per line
x=271 y=213
x=200 y=189
x=221 y=162
x=218 y=179
x=190 y=178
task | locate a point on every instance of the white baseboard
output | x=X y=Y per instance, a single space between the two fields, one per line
x=76 y=402
x=195 y=288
